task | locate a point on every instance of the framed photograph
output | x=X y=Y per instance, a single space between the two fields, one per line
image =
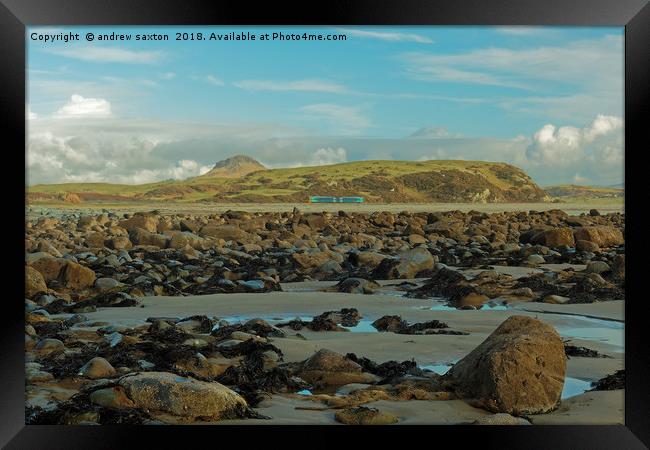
x=411 y=215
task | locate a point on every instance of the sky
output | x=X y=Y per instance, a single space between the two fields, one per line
x=546 y=99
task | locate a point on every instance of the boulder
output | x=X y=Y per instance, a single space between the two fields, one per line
x=586 y=246
x=357 y=286
x=49 y=266
x=554 y=237
x=226 y=232
x=601 y=235
x=309 y=260
x=519 y=369
x=183 y=396
x=34 y=282
x=406 y=265
x=113 y=397
x=147 y=221
x=326 y=367
x=597 y=267
x=96 y=368
x=76 y=276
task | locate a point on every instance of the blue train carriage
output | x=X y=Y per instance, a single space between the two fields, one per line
x=330 y=199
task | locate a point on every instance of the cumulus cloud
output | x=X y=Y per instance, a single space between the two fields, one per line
x=324 y=156
x=553 y=146
x=30 y=114
x=79 y=106
x=53 y=158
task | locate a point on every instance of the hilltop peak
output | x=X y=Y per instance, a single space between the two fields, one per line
x=235 y=166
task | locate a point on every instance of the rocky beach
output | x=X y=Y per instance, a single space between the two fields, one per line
x=343 y=316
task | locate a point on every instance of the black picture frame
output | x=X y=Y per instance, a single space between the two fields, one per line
x=15 y=15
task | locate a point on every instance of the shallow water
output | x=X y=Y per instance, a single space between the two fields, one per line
x=573 y=387
x=440 y=369
x=608 y=331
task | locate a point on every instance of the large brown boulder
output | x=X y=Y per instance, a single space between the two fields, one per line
x=76 y=276
x=49 y=266
x=169 y=393
x=34 y=282
x=601 y=235
x=326 y=367
x=226 y=232
x=147 y=221
x=406 y=265
x=519 y=369
x=554 y=237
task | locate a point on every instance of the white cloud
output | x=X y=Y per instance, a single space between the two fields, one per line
x=30 y=115
x=168 y=75
x=388 y=36
x=109 y=54
x=343 y=119
x=79 y=106
x=598 y=142
x=295 y=85
x=600 y=58
x=210 y=79
x=324 y=156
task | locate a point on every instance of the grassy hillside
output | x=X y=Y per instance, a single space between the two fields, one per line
x=377 y=181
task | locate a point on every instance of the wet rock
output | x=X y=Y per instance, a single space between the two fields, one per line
x=390 y=323
x=597 y=267
x=362 y=415
x=183 y=396
x=326 y=367
x=535 y=259
x=556 y=299
x=518 y=369
x=96 y=368
x=572 y=350
x=406 y=265
x=49 y=346
x=357 y=286
x=472 y=299
x=107 y=284
x=586 y=246
x=112 y=397
x=611 y=382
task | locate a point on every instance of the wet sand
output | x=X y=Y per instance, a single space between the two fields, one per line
x=601 y=407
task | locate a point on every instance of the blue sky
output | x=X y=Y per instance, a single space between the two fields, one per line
x=547 y=99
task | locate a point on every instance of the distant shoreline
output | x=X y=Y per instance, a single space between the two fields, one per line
x=208 y=208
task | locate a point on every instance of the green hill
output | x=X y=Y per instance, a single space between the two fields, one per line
x=376 y=181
